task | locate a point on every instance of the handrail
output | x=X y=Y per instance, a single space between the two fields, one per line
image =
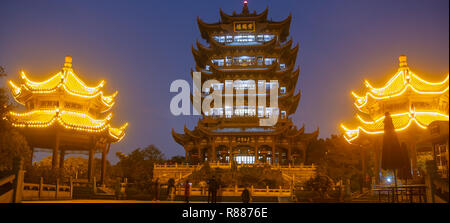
x=293 y=167
x=6 y=180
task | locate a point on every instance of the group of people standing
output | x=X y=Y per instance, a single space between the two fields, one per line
x=213 y=186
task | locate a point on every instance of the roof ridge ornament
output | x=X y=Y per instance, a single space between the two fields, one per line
x=403 y=65
x=67 y=63
x=245 y=10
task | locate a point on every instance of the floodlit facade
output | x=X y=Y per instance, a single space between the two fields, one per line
x=251 y=50
x=65 y=115
x=413 y=103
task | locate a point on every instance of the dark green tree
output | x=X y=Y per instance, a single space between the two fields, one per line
x=12 y=144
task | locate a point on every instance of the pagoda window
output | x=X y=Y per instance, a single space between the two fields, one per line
x=270 y=85
x=261 y=83
x=283 y=114
x=229 y=39
x=260 y=38
x=207 y=67
x=244 y=38
x=251 y=111
x=283 y=90
x=268 y=37
x=228 y=61
x=218 y=62
x=269 y=61
x=260 y=111
x=220 y=39
x=244 y=60
x=259 y=60
x=228 y=112
x=282 y=66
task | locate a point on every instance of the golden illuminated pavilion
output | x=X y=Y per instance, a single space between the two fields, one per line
x=412 y=102
x=65 y=115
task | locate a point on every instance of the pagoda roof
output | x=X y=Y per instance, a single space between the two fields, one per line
x=401 y=121
x=271 y=71
x=204 y=53
x=402 y=81
x=245 y=15
x=225 y=25
x=65 y=80
x=68 y=120
x=287 y=129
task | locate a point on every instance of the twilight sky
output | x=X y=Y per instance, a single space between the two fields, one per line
x=140 y=47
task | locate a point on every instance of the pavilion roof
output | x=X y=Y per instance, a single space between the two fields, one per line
x=403 y=81
x=70 y=120
x=66 y=80
x=401 y=122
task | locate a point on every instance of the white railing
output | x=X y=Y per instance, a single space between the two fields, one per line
x=43 y=191
x=235 y=191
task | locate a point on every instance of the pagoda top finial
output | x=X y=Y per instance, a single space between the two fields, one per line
x=68 y=62
x=402 y=61
x=245 y=8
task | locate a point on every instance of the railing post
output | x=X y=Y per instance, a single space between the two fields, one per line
x=19 y=186
x=18 y=181
x=71 y=187
x=94 y=186
x=251 y=189
x=41 y=187
x=267 y=189
x=57 y=189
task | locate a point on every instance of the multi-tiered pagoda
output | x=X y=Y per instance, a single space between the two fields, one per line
x=250 y=48
x=64 y=115
x=412 y=102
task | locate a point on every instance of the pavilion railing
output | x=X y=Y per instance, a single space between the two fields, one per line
x=7 y=189
x=43 y=191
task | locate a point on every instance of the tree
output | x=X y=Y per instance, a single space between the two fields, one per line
x=138 y=165
x=12 y=144
x=177 y=159
x=337 y=159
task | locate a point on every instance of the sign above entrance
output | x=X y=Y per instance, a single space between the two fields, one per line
x=244 y=26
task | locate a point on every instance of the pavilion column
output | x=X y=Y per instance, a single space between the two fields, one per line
x=91 y=164
x=61 y=159
x=186 y=153
x=256 y=153
x=230 y=149
x=413 y=157
x=199 y=152
x=103 y=174
x=377 y=158
x=55 y=153
x=32 y=155
x=288 y=155
x=304 y=154
x=214 y=153
x=273 y=153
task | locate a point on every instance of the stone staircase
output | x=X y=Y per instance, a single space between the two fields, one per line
x=298 y=174
x=86 y=190
x=176 y=171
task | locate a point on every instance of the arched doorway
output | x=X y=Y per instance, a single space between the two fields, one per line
x=265 y=154
x=244 y=154
x=223 y=155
